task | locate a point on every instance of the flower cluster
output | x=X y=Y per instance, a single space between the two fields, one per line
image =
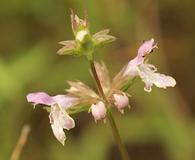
x=80 y=97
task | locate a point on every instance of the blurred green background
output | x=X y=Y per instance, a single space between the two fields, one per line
x=159 y=126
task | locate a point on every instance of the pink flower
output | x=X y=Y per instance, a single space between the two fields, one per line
x=98 y=110
x=121 y=101
x=147 y=72
x=59 y=118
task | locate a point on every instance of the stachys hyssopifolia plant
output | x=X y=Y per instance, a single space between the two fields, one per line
x=111 y=93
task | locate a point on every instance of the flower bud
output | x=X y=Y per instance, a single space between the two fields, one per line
x=77 y=23
x=121 y=101
x=98 y=110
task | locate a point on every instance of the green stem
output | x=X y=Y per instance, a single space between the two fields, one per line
x=97 y=80
x=121 y=146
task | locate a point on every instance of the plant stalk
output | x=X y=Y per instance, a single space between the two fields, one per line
x=116 y=135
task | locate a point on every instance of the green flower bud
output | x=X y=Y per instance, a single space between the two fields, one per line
x=84 y=43
x=77 y=23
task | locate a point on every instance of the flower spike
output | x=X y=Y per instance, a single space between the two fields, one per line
x=81 y=97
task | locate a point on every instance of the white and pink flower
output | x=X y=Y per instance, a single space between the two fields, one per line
x=147 y=72
x=58 y=116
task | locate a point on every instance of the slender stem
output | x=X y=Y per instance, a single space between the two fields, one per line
x=121 y=146
x=99 y=86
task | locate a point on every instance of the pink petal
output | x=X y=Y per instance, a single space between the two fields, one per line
x=121 y=101
x=40 y=98
x=98 y=110
x=69 y=123
x=146 y=48
x=65 y=101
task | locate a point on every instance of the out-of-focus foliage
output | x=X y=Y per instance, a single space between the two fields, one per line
x=160 y=125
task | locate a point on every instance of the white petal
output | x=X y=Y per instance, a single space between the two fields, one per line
x=163 y=81
x=149 y=76
x=60 y=120
x=59 y=133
